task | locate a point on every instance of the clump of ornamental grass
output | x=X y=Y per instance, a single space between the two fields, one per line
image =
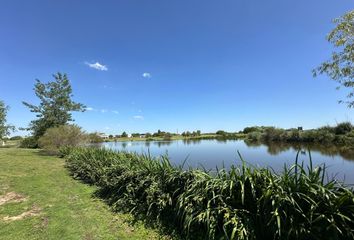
x=241 y=202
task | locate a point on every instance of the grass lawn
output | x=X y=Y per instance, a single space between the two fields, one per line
x=57 y=206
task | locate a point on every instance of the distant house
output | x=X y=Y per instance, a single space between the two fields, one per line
x=142 y=135
x=103 y=135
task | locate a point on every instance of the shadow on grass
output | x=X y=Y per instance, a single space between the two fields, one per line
x=165 y=226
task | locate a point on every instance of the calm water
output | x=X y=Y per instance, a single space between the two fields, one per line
x=212 y=153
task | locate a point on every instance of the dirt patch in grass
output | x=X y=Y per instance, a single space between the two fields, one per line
x=11 y=197
x=34 y=211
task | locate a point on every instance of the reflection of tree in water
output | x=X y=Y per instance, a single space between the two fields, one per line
x=147 y=144
x=163 y=143
x=275 y=148
x=191 y=141
x=124 y=144
x=253 y=144
x=221 y=140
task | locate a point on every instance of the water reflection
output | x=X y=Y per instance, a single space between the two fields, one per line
x=162 y=143
x=327 y=150
x=221 y=152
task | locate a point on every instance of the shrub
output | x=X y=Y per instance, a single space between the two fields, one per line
x=62 y=136
x=273 y=134
x=16 y=138
x=343 y=128
x=29 y=142
x=250 y=129
x=254 y=136
x=94 y=138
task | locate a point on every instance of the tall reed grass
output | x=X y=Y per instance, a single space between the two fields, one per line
x=239 y=203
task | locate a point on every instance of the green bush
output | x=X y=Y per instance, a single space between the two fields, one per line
x=240 y=203
x=62 y=136
x=16 y=138
x=29 y=142
x=343 y=128
x=254 y=136
x=94 y=138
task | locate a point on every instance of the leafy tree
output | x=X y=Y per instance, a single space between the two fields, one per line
x=55 y=105
x=221 y=132
x=5 y=129
x=124 y=135
x=340 y=67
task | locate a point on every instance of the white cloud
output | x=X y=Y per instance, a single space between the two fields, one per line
x=138 y=117
x=97 y=66
x=101 y=110
x=146 y=75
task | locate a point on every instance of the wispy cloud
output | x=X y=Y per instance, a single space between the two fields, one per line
x=103 y=110
x=146 y=75
x=97 y=66
x=138 y=117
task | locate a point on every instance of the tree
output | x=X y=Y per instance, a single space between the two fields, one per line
x=55 y=105
x=124 y=135
x=340 y=67
x=5 y=129
x=62 y=136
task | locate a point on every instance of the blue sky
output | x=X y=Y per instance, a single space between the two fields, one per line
x=144 y=65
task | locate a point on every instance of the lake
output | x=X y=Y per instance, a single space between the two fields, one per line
x=218 y=153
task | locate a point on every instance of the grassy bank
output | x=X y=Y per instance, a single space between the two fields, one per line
x=39 y=200
x=240 y=203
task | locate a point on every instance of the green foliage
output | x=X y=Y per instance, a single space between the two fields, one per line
x=339 y=135
x=61 y=136
x=343 y=128
x=5 y=129
x=94 y=138
x=254 y=136
x=220 y=132
x=340 y=67
x=240 y=203
x=29 y=142
x=16 y=138
x=124 y=135
x=55 y=105
x=251 y=129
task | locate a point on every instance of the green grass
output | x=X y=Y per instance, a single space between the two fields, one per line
x=68 y=209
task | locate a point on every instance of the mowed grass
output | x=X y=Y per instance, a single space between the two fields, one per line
x=68 y=209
